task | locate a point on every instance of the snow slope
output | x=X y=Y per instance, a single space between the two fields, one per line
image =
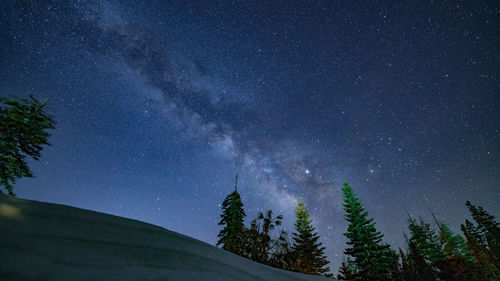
x=42 y=241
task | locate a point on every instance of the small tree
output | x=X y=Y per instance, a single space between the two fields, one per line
x=260 y=246
x=282 y=253
x=232 y=235
x=347 y=270
x=23 y=131
x=307 y=251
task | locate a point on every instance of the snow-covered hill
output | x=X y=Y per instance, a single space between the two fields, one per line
x=42 y=241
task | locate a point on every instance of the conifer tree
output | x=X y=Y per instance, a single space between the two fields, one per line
x=483 y=239
x=425 y=251
x=252 y=241
x=394 y=266
x=372 y=260
x=346 y=270
x=232 y=235
x=408 y=268
x=268 y=224
x=426 y=241
x=420 y=268
x=453 y=244
x=487 y=228
x=259 y=244
x=484 y=259
x=307 y=251
x=23 y=131
x=281 y=256
x=459 y=263
x=439 y=256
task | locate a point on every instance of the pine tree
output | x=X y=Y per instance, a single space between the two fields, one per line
x=426 y=240
x=347 y=270
x=232 y=235
x=421 y=270
x=394 y=266
x=23 y=131
x=453 y=244
x=371 y=259
x=459 y=261
x=483 y=239
x=484 y=259
x=281 y=256
x=307 y=251
x=408 y=268
x=259 y=244
x=252 y=241
x=425 y=251
x=487 y=228
x=268 y=224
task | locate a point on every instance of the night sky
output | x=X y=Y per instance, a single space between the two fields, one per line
x=159 y=105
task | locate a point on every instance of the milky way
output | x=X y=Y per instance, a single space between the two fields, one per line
x=159 y=105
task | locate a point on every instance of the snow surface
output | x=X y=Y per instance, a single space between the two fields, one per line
x=42 y=241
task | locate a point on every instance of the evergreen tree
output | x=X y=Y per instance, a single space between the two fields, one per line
x=483 y=240
x=425 y=251
x=459 y=263
x=408 y=268
x=252 y=241
x=487 y=228
x=484 y=259
x=282 y=254
x=394 y=266
x=439 y=256
x=23 y=131
x=420 y=268
x=453 y=244
x=307 y=251
x=268 y=224
x=259 y=244
x=347 y=270
x=426 y=243
x=372 y=260
x=232 y=235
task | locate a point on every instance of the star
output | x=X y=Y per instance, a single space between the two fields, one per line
x=222 y=101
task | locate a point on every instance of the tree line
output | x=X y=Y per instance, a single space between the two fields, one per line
x=259 y=243
x=432 y=252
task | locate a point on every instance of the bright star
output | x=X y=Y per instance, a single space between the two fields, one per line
x=307 y=171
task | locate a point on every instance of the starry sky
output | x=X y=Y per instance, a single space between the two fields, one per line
x=160 y=103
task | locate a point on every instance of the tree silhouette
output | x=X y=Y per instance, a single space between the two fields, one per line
x=307 y=251
x=232 y=235
x=23 y=131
